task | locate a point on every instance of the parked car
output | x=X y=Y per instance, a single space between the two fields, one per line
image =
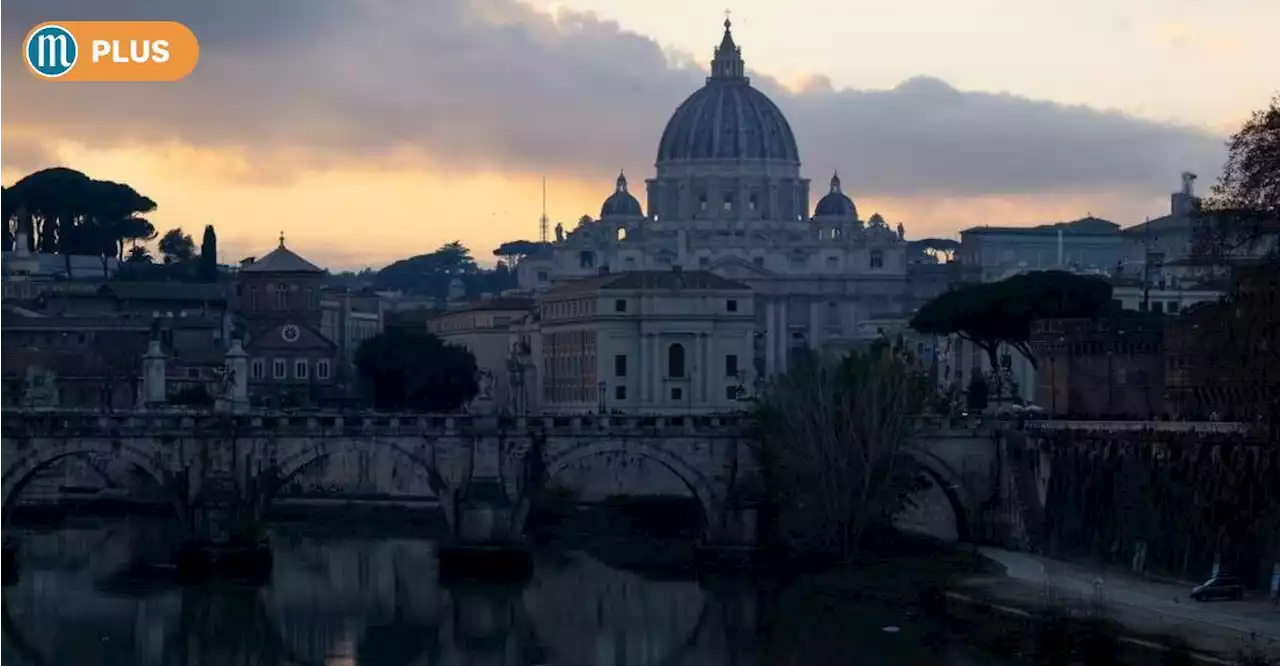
x=1218 y=587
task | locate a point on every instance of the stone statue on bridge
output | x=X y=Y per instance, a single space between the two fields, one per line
x=40 y=388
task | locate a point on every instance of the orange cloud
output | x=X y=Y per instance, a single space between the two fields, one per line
x=351 y=217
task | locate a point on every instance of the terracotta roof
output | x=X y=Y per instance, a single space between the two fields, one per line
x=652 y=280
x=503 y=303
x=281 y=260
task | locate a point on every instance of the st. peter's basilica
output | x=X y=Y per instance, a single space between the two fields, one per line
x=728 y=197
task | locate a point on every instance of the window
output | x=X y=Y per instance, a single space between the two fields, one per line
x=702 y=202
x=257 y=369
x=675 y=360
x=730 y=365
x=282 y=297
x=619 y=393
x=620 y=305
x=586 y=259
x=676 y=393
x=620 y=365
x=728 y=201
x=1157 y=307
x=731 y=305
x=542 y=276
x=731 y=392
x=322 y=369
x=877 y=259
x=621 y=234
x=278 y=368
x=301 y=369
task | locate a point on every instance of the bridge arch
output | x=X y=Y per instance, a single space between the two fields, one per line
x=695 y=481
x=301 y=458
x=20 y=469
x=947 y=479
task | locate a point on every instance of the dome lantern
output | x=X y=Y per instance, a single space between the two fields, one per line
x=727 y=63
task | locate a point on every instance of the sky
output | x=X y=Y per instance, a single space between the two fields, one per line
x=372 y=130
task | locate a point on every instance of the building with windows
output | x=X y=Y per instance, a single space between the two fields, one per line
x=654 y=342
x=728 y=198
x=484 y=328
x=291 y=362
x=1087 y=245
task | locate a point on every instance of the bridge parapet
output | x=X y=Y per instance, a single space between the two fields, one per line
x=1190 y=427
x=178 y=423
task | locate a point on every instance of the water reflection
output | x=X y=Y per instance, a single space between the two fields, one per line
x=376 y=602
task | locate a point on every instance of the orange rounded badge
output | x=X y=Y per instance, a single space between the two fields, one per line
x=111 y=51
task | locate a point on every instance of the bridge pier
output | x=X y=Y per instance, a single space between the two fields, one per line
x=224 y=538
x=732 y=544
x=488 y=543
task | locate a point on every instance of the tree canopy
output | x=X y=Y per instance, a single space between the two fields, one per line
x=1244 y=206
x=411 y=369
x=177 y=247
x=209 y=255
x=63 y=210
x=513 y=251
x=430 y=274
x=992 y=313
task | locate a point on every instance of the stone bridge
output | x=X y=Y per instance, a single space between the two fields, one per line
x=221 y=470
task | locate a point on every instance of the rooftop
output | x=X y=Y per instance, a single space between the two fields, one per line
x=1085 y=226
x=281 y=260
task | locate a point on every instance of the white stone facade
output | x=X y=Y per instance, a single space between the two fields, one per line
x=646 y=342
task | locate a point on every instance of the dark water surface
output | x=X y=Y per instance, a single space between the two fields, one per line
x=341 y=600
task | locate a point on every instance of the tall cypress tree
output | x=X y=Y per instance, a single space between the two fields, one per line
x=209 y=255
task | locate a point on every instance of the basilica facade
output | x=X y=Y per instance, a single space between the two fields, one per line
x=728 y=197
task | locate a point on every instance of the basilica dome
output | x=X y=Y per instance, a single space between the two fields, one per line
x=836 y=203
x=621 y=202
x=727 y=119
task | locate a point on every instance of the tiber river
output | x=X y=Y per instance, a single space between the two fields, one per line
x=342 y=600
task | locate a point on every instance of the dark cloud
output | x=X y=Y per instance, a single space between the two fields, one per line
x=495 y=84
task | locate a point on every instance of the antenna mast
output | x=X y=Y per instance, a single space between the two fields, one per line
x=542 y=221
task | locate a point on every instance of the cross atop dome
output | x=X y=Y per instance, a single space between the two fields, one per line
x=835 y=182
x=622 y=181
x=727 y=63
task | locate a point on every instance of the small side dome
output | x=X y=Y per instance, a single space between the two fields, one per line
x=621 y=203
x=836 y=203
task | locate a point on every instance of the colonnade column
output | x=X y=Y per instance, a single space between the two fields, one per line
x=656 y=369
x=815 y=325
x=770 y=338
x=781 y=342
x=642 y=369
x=709 y=365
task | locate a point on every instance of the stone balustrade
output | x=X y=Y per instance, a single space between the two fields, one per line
x=1190 y=427
x=179 y=423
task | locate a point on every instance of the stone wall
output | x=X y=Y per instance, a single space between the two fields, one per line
x=1162 y=501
